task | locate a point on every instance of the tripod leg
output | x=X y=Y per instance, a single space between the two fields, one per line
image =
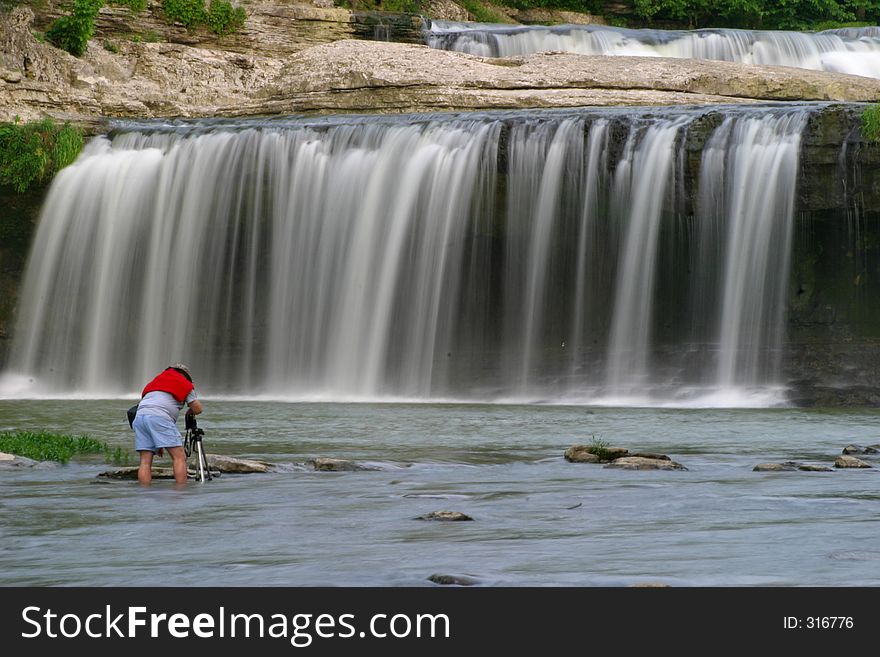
x=201 y=459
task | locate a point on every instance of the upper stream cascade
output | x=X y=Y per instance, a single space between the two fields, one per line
x=847 y=50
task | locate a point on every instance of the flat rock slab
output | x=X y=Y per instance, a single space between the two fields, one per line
x=233 y=465
x=10 y=461
x=641 y=463
x=850 y=462
x=131 y=473
x=217 y=464
x=323 y=464
x=445 y=516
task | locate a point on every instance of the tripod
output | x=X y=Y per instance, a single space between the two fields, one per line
x=193 y=439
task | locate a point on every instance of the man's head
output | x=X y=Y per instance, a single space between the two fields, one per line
x=183 y=369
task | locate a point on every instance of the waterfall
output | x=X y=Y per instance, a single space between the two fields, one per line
x=850 y=50
x=495 y=256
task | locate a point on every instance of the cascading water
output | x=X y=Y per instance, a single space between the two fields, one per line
x=493 y=256
x=850 y=50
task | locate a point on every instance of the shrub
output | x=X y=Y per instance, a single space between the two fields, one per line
x=34 y=152
x=189 y=13
x=222 y=18
x=72 y=33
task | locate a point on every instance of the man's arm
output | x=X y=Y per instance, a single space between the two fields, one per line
x=195 y=407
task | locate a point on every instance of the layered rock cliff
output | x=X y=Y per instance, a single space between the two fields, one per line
x=261 y=71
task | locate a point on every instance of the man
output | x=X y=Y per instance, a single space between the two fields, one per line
x=155 y=425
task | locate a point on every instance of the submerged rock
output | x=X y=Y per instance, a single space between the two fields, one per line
x=452 y=580
x=850 y=462
x=324 y=464
x=642 y=463
x=858 y=449
x=790 y=466
x=448 y=516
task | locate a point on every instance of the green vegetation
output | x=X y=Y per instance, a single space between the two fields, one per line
x=871 y=123
x=136 y=6
x=760 y=14
x=402 y=6
x=34 y=152
x=223 y=18
x=45 y=446
x=119 y=456
x=484 y=12
x=599 y=447
x=220 y=16
x=110 y=46
x=72 y=33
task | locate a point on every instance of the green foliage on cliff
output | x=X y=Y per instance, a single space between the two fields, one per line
x=136 y=6
x=223 y=18
x=871 y=123
x=34 y=152
x=72 y=32
x=760 y=14
x=219 y=16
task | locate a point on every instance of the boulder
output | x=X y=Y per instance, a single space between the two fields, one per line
x=850 y=462
x=580 y=454
x=641 y=463
x=445 y=516
x=788 y=466
x=593 y=453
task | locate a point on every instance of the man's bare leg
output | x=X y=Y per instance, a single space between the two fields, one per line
x=178 y=463
x=145 y=469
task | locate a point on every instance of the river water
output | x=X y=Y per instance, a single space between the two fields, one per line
x=538 y=520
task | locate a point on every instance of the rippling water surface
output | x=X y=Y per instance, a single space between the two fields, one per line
x=538 y=520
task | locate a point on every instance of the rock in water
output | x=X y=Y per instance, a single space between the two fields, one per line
x=788 y=466
x=850 y=462
x=452 y=580
x=233 y=465
x=448 y=516
x=324 y=464
x=641 y=463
